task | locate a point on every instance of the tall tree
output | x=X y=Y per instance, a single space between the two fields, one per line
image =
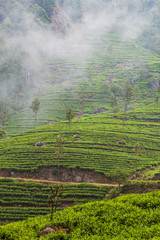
x=127 y=94
x=157 y=96
x=59 y=146
x=35 y=107
x=113 y=101
x=69 y=115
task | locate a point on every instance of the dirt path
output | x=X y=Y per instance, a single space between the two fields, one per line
x=57 y=182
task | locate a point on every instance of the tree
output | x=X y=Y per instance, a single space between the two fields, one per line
x=113 y=101
x=120 y=176
x=136 y=92
x=5 y=72
x=115 y=88
x=105 y=88
x=157 y=95
x=138 y=147
x=2 y=133
x=59 y=146
x=69 y=115
x=81 y=103
x=126 y=93
x=39 y=12
x=35 y=107
x=54 y=197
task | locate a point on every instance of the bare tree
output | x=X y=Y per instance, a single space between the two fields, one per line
x=54 y=197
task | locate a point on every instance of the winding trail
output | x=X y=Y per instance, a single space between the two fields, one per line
x=58 y=182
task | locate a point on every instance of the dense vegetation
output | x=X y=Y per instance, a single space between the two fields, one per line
x=85 y=74
x=101 y=78
x=102 y=142
x=99 y=60
x=126 y=217
x=19 y=200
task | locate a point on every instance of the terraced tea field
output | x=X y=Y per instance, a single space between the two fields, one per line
x=99 y=142
x=85 y=79
x=126 y=217
x=19 y=200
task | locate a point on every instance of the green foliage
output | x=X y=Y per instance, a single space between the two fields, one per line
x=138 y=147
x=114 y=89
x=120 y=176
x=126 y=217
x=69 y=115
x=46 y=4
x=59 y=146
x=20 y=200
x=113 y=101
x=35 y=107
x=136 y=92
x=39 y=12
x=111 y=68
x=2 y=133
x=127 y=93
x=101 y=74
x=157 y=95
x=98 y=142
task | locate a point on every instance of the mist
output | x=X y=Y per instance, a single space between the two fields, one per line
x=32 y=43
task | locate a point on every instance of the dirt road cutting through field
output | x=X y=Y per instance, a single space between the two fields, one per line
x=58 y=182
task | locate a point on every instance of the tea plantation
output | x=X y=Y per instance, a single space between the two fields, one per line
x=19 y=200
x=87 y=85
x=126 y=217
x=113 y=131
x=102 y=143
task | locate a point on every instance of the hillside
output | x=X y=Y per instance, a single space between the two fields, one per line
x=61 y=53
x=101 y=61
x=126 y=217
x=88 y=87
x=21 y=200
x=95 y=150
x=100 y=143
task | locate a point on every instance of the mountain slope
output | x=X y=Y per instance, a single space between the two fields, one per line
x=84 y=67
x=102 y=142
x=88 y=86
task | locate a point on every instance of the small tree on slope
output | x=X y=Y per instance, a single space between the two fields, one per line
x=35 y=107
x=69 y=115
